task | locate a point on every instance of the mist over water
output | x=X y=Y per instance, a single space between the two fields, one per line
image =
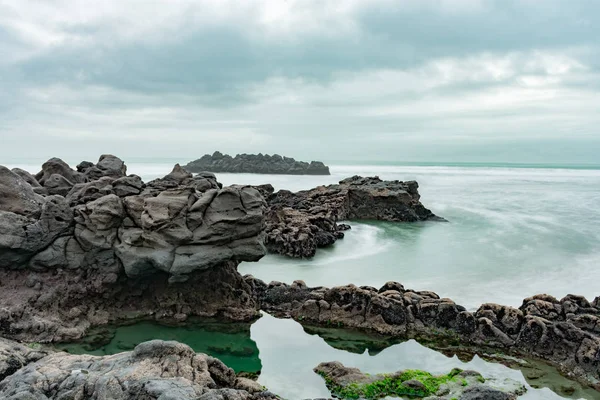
x=513 y=233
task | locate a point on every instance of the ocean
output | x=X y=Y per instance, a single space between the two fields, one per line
x=513 y=232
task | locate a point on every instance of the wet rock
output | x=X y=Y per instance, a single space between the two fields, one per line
x=299 y=223
x=350 y=383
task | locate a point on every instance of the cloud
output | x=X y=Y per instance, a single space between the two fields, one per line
x=298 y=76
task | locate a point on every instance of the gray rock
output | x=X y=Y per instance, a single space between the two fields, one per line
x=58 y=177
x=82 y=193
x=481 y=392
x=21 y=237
x=153 y=370
x=128 y=186
x=18 y=195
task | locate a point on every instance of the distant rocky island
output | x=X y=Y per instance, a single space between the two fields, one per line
x=94 y=246
x=256 y=164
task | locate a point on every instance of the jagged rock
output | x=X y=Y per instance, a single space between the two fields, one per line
x=74 y=300
x=57 y=177
x=82 y=193
x=37 y=188
x=107 y=166
x=299 y=223
x=23 y=236
x=128 y=186
x=568 y=339
x=256 y=164
x=14 y=356
x=153 y=370
x=115 y=240
x=18 y=196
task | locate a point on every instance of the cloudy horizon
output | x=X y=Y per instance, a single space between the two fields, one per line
x=364 y=80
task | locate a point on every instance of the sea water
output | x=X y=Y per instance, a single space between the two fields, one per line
x=513 y=232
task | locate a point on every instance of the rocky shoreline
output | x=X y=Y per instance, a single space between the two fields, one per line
x=91 y=246
x=256 y=164
x=564 y=333
x=297 y=224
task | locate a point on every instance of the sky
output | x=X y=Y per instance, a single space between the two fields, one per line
x=413 y=80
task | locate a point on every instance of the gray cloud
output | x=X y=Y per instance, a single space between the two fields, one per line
x=377 y=76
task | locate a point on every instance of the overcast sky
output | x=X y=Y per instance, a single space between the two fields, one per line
x=421 y=80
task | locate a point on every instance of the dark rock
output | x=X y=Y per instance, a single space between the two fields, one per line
x=256 y=164
x=57 y=177
x=572 y=343
x=116 y=243
x=299 y=223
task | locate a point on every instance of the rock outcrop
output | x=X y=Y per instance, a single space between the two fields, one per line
x=565 y=333
x=256 y=164
x=153 y=370
x=79 y=248
x=351 y=383
x=299 y=223
x=14 y=356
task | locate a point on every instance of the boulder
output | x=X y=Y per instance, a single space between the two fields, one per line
x=153 y=370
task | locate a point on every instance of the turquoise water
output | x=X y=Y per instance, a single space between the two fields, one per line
x=231 y=343
x=513 y=232
x=285 y=353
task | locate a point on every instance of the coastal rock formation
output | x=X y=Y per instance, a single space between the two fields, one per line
x=299 y=223
x=14 y=356
x=565 y=333
x=99 y=244
x=351 y=383
x=153 y=370
x=256 y=164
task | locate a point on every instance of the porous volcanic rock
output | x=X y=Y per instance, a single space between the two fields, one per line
x=564 y=333
x=108 y=246
x=256 y=164
x=153 y=370
x=299 y=223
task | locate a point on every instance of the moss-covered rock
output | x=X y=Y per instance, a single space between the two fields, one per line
x=351 y=383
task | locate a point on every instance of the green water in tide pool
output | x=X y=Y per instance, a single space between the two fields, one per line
x=231 y=343
x=283 y=353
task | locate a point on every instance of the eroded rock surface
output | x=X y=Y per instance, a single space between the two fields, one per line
x=565 y=332
x=153 y=370
x=256 y=164
x=79 y=248
x=299 y=223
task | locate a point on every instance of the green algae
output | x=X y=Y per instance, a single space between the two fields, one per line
x=394 y=385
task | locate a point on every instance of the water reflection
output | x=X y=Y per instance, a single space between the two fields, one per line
x=229 y=342
x=284 y=353
x=289 y=352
